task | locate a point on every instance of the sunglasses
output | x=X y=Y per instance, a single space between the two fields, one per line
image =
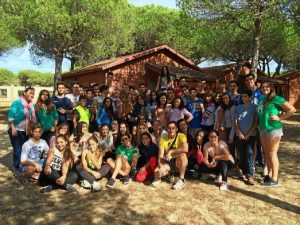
x=125 y=139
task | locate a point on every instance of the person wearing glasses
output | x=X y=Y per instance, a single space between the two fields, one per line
x=125 y=160
x=217 y=159
x=270 y=111
x=173 y=149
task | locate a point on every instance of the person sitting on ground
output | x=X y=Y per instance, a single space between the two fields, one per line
x=58 y=167
x=34 y=152
x=79 y=139
x=91 y=167
x=173 y=149
x=124 y=162
x=106 y=141
x=157 y=131
x=217 y=159
x=147 y=162
x=195 y=155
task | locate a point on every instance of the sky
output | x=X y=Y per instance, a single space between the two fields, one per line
x=19 y=59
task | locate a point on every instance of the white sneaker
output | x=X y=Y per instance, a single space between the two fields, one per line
x=156 y=182
x=218 y=179
x=95 y=186
x=86 y=184
x=223 y=186
x=178 y=185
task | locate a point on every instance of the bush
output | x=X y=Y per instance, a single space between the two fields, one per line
x=7 y=77
x=32 y=77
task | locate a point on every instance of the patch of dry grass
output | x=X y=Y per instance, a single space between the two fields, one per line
x=198 y=203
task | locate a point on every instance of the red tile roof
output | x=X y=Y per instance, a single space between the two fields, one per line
x=110 y=63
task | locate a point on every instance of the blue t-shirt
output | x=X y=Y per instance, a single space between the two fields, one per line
x=257 y=96
x=246 y=117
x=63 y=103
x=193 y=106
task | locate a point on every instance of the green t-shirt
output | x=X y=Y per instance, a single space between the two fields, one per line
x=127 y=153
x=263 y=113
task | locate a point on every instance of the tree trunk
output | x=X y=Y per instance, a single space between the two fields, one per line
x=58 y=69
x=256 y=44
x=268 y=68
x=73 y=61
x=277 y=70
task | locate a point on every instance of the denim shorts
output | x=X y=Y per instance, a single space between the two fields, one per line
x=271 y=133
x=22 y=168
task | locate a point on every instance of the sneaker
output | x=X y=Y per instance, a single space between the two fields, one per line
x=86 y=184
x=275 y=183
x=46 y=189
x=111 y=183
x=95 y=186
x=224 y=186
x=218 y=179
x=250 y=181
x=267 y=180
x=133 y=172
x=178 y=185
x=70 y=188
x=126 y=180
x=156 y=182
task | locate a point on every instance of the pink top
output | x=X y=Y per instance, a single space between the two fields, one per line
x=178 y=114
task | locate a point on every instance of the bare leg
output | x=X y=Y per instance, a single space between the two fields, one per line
x=274 y=162
x=118 y=166
x=265 y=144
x=181 y=163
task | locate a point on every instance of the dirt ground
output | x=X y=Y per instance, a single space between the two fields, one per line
x=198 y=203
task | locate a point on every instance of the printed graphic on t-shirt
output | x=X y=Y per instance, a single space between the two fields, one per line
x=35 y=153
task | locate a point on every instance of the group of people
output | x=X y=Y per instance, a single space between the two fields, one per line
x=86 y=134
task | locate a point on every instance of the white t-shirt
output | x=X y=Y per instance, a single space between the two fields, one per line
x=34 y=152
x=74 y=99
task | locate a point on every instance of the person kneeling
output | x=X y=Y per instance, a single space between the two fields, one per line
x=173 y=148
x=217 y=159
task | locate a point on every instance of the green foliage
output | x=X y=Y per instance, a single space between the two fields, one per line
x=8 y=38
x=32 y=77
x=7 y=77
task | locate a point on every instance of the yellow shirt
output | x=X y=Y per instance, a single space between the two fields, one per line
x=165 y=143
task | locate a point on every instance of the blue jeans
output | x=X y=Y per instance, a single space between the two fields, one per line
x=259 y=155
x=17 y=143
x=246 y=149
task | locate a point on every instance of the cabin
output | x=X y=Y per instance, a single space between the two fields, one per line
x=140 y=67
x=293 y=93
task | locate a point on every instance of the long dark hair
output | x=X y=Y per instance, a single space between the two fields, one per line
x=40 y=102
x=167 y=73
x=181 y=106
x=230 y=104
x=158 y=100
x=109 y=110
x=271 y=94
x=78 y=131
x=67 y=155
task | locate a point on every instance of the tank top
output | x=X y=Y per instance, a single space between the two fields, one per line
x=57 y=160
